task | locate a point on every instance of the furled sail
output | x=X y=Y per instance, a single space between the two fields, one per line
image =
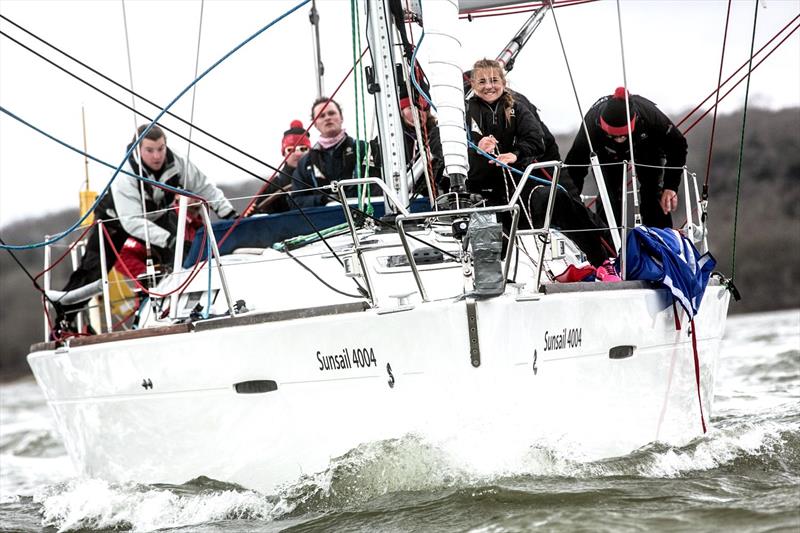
x=447 y=85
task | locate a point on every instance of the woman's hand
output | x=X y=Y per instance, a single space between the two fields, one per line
x=488 y=144
x=507 y=158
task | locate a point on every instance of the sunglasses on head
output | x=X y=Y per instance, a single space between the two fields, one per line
x=289 y=149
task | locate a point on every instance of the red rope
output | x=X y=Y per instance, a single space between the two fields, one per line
x=247 y=210
x=697 y=375
x=127 y=272
x=692 y=112
x=513 y=10
x=69 y=249
x=687 y=130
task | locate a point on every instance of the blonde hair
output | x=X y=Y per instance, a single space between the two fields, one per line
x=491 y=64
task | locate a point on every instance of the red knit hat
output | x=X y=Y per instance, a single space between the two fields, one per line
x=614 y=117
x=405 y=100
x=296 y=135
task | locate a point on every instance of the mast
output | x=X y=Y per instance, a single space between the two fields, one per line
x=319 y=68
x=380 y=36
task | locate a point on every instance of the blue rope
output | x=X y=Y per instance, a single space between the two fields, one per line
x=512 y=169
x=96 y=160
x=147 y=130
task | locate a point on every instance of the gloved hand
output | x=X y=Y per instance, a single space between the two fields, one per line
x=230 y=216
x=164 y=255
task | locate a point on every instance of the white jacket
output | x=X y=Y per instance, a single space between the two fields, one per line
x=177 y=173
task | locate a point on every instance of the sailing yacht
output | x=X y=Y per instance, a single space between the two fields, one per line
x=301 y=335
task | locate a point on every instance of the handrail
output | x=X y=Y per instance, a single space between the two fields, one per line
x=387 y=191
x=215 y=252
x=356 y=244
x=104 y=277
x=510 y=206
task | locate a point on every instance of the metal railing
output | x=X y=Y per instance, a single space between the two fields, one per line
x=405 y=216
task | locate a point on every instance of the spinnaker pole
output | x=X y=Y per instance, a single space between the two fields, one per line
x=515 y=45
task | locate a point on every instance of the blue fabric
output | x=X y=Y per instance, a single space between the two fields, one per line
x=667 y=257
x=262 y=231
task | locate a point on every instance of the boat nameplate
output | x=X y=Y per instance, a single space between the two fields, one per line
x=472 y=325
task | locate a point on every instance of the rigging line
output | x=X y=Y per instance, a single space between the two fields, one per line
x=571 y=79
x=692 y=112
x=687 y=130
x=170 y=130
x=27 y=273
x=741 y=145
x=627 y=92
x=148 y=290
x=66 y=252
x=354 y=34
x=507 y=10
x=158 y=184
x=360 y=79
x=140 y=97
x=331 y=287
x=268 y=183
x=138 y=154
x=716 y=103
x=162 y=113
x=194 y=89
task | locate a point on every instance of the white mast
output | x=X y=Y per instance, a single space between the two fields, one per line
x=380 y=36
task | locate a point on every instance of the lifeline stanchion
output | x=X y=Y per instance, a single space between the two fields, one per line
x=215 y=252
x=47 y=259
x=104 y=274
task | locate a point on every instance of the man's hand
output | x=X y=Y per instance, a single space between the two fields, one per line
x=669 y=201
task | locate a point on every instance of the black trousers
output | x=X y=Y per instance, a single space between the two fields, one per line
x=89 y=271
x=650 y=188
x=576 y=220
x=579 y=223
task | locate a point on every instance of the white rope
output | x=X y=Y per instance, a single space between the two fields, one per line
x=138 y=153
x=194 y=88
x=634 y=176
x=571 y=79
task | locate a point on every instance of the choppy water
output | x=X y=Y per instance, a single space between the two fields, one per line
x=743 y=476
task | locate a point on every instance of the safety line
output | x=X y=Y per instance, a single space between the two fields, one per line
x=741 y=146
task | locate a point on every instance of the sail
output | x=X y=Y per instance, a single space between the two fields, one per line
x=446 y=82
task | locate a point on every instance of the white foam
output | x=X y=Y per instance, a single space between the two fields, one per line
x=96 y=504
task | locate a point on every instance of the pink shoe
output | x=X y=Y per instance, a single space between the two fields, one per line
x=606 y=273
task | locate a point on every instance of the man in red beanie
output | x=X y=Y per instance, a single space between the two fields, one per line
x=659 y=151
x=294 y=145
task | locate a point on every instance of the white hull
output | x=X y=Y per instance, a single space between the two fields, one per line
x=192 y=422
